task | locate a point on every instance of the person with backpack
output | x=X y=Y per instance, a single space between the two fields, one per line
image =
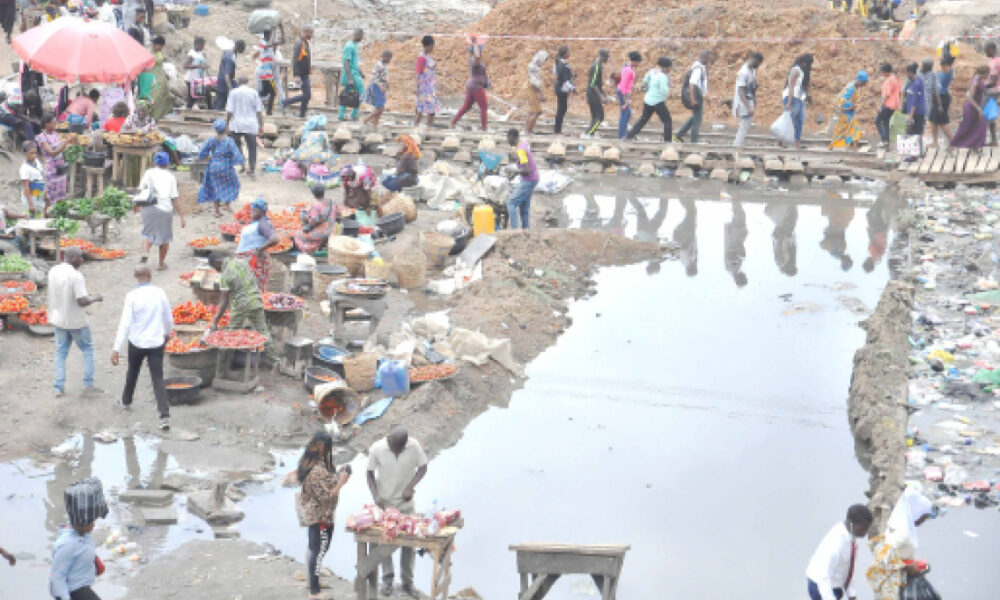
x=563 y=86
x=657 y=86
x=694 y=89
x=796 y=94
x=626 y=80
x=595 y=92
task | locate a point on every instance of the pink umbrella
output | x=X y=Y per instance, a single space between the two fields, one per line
x=78 y=50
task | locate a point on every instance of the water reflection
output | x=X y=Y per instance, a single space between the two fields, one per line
x=735 y=238
x=785 y=216
x=878 y=234
x=685 y=236
x=834 y=240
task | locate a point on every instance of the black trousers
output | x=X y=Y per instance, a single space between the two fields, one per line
x=882 y=122
x=319 y=542
x=596 y=104
x=647 y=113
x=917 y=128
x=562 y=104
x=268 y=93
x=8 y=14
x=251 y=154
x=154 y=358
x=23 y=125
x=84 y=593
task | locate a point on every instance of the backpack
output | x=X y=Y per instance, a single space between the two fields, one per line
x=689 y=100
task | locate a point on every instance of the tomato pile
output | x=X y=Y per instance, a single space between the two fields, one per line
x=186 y=276
x=104 y=253
x=231 y=228
x=191 y=311
x=76 y=242
x=279 y=301
x=283 y=246
x=432 y=372
x=13 y=304
x=238 y=338
x=35 y=317
x=176 y=346
x=287 y=219
x=17 y=285
x=243 y=214
x=202 y=242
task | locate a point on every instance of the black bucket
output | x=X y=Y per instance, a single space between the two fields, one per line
x=391 y=224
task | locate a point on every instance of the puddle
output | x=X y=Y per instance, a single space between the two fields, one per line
x=34 y=512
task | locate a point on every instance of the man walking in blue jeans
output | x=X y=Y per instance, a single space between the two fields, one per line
x=67 y=298
x=519 y=203
x=301 y=70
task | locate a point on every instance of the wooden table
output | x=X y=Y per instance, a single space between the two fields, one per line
x=545 y=563
x=36 y=229
x=372 y=550
x=120 y=153
x=331 y=78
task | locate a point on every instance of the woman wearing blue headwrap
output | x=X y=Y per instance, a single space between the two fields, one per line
x=846 y=133
x=255 y=239
x=160 y=186
x=221 y=184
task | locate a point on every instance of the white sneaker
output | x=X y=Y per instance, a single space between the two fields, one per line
x=121 y=405
x=164 y=423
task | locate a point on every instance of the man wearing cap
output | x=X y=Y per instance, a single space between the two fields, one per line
x=159 y=187
x=244 y=118
x=301 y=69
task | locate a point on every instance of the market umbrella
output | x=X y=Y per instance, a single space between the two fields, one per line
x=79 y=50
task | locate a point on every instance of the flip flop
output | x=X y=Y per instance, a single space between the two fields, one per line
x=161 y=268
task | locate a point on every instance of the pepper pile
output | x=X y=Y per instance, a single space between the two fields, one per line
x=192 y=311
x=176 y=346
x=231 y=228
x=288 y=219
x=104 y=253
x=283 y=246
x=35 y=317
x=432 y=372
x=186 y=276
x=237 y=338
x=13 y=304
x=18 y=285
x=202 y=242
x=279 y=301
x=76 y=242
x=243 y=214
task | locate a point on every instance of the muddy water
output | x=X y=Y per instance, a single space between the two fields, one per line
x=692 y=412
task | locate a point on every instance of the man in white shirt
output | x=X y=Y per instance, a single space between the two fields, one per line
x=146 y=323
x=245 y=117
x=395 y=467
x=831 y=571
x=67 y=298
x=698 y=91
x=744 y=99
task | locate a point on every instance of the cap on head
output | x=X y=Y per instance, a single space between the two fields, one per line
x=161 y=159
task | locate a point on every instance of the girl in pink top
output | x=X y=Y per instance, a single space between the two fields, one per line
x=626 y=81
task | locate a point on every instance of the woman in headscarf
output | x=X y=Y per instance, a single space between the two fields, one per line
x=532 y=94
x=895 y=551
x=158 y=218
x=221 y=184
x=154 y=85
x=406 y=166
x=140 y=121
x=973 y=128
x=846 y=133
x=427 y=101
x=255 y=239
x=317 y=224
x=358 y=182
x=51 y=147
x=797 y=92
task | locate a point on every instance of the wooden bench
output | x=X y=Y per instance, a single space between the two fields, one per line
x=541 y=565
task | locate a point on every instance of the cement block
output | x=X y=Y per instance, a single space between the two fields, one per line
x=225 y=533
x=687 y=172
x=205 y=504
x=719 y=175
x=151 y=497
x=159 y=516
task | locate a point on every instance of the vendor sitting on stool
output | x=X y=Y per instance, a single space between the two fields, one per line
x=358 y=182
x=406 y=166
x=241 y=295
x=255 y=239
x=317 y=223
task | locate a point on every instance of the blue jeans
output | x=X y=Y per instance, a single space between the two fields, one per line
x=814 y=591
x=798 y=110
x=519 y=204
x=64 y=339
x=626 y=114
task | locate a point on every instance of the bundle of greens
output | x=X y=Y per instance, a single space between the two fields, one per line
x=114 y=203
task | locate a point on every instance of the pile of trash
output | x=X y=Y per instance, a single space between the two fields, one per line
x=954 y=390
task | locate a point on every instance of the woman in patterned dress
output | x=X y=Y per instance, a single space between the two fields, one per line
x=427 y=101
x=221 y=184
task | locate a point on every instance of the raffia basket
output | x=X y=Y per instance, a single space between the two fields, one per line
x=359 y=370
x=400 y=203
x=411 y=270
x=436 y=246
x=378 y=271
x=348 y=252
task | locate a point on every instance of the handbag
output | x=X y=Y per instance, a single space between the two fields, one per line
x=991 y=110
x=145 y=197
x=350 y=97
x=918 y=588
x=908 y=145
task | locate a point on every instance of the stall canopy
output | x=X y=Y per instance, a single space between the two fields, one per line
x=79 y=50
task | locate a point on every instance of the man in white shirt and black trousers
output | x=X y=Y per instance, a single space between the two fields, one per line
x=831 y=571
x=146 y=322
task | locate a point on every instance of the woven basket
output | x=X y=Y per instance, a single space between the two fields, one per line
x=378 y=271
x=411 y=270
x=400 y=203
x=359 y=370
x=348 y=252
x=436 y=246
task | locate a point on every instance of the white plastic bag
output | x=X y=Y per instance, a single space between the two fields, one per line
x=908 y=145
x=784 y=128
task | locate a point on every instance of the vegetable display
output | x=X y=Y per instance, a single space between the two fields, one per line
x=288 y=219
x=236 y=338
x=231 y=228
x=176 y=346
x=34 y=317
x=13 y=304
x=77 y=243
x=104 y=253
x=192 y=311
x=279 y=301
x=151 y=138
x=13 y=263
x=72 y=153
x=202 y=242
x=64 y=225
x=17 y=286
x=77 y=207
x=432 y=372
x=114 y=203
x=283 y=246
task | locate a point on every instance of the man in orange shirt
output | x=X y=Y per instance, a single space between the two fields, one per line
x=891 y=93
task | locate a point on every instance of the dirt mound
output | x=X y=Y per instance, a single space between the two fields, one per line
x=507 y=60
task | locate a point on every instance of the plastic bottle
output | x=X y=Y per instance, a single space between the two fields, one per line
x=433 y=527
